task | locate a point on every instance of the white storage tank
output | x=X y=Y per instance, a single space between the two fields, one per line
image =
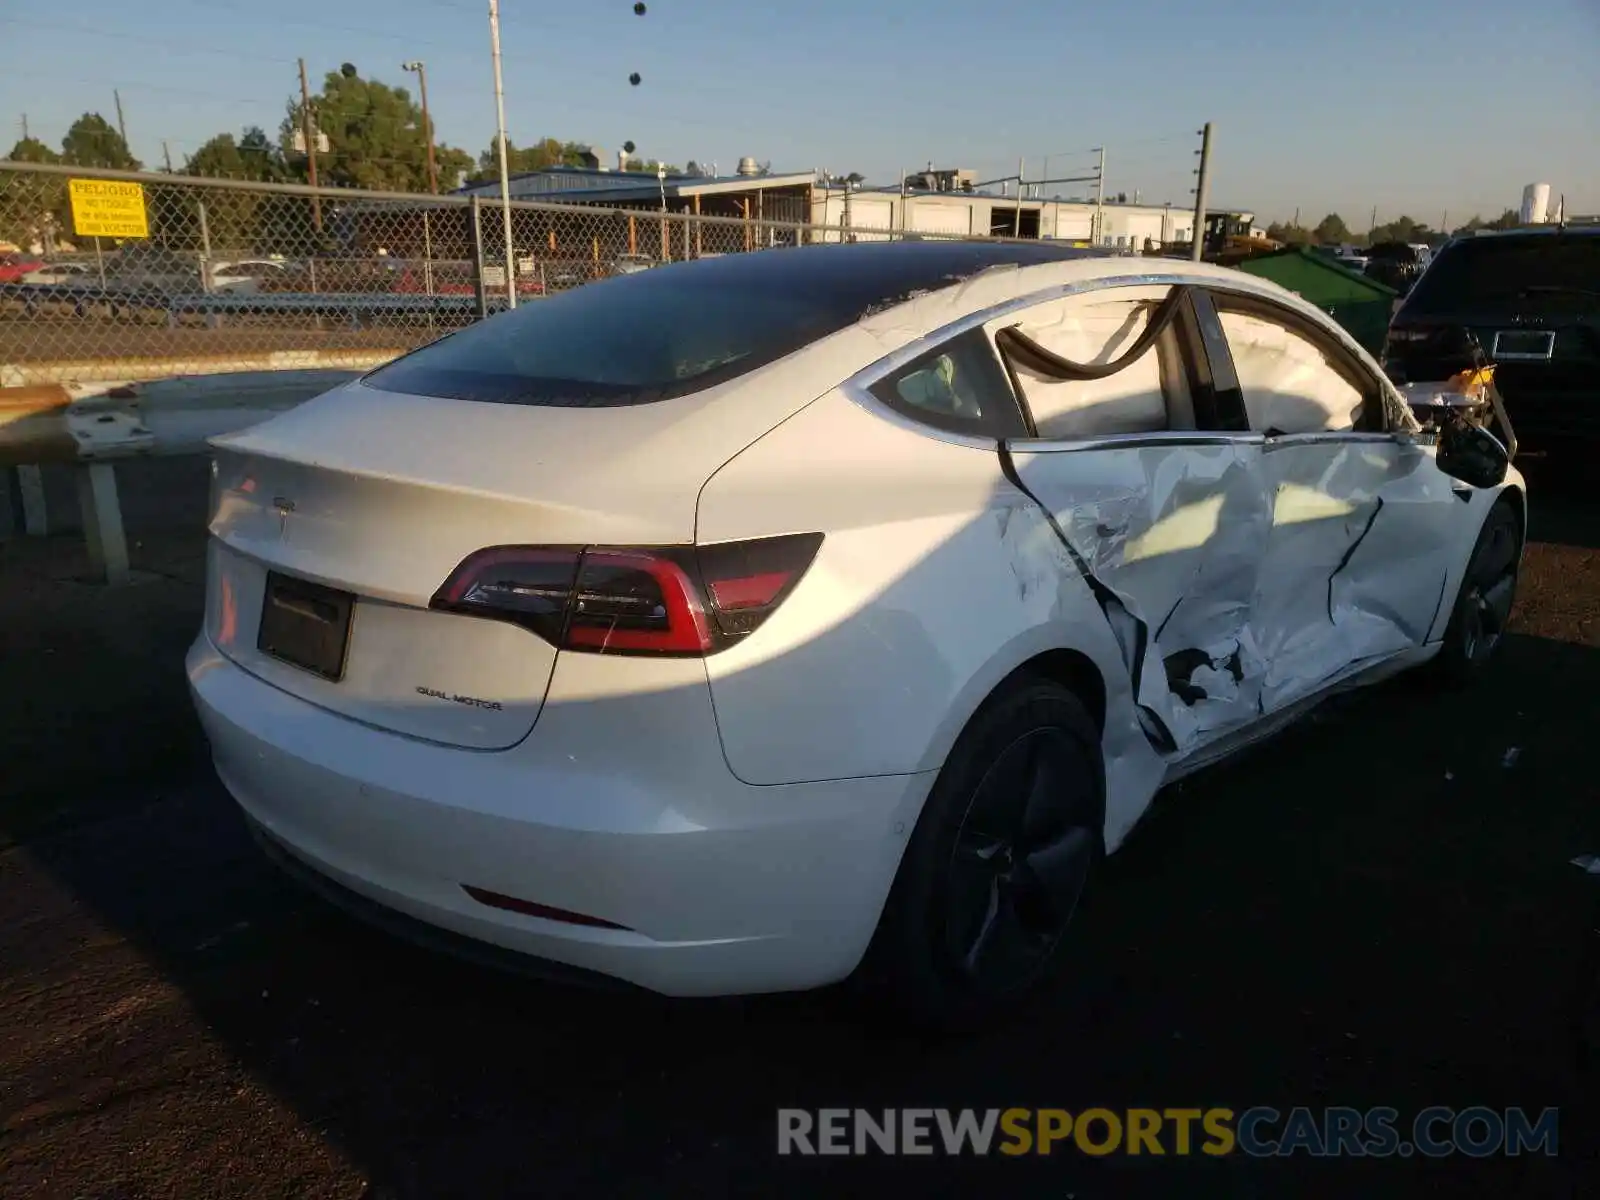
x=1535 y=203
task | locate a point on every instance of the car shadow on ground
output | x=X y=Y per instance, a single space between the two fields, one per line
x=1368 y=910
x=1372 y=909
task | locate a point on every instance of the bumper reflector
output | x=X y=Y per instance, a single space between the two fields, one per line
x=529 y=909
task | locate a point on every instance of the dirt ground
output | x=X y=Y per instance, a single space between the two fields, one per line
x=1373 y=909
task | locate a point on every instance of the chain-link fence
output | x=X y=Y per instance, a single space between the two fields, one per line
x=231 y=276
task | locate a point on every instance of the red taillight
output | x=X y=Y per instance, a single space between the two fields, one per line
x=526 y=585
x=639 y=601
x=673 y=601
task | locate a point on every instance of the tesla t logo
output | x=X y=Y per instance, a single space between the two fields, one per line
x=285 y=506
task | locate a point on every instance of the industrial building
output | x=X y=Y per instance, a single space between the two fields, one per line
x=943 y=203
x=748 y=193
x=772 y=209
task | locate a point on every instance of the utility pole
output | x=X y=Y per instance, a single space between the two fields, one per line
x=505 y=171
x=308 y=131
x=1016 y=216
x=166 y=155
x=121 y=127
x=427 y=126
x=1374 y=223
x=1199 y=239
x=1100 y=200
x=24 y=126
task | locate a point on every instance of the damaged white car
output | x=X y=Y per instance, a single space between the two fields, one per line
x=748 y=624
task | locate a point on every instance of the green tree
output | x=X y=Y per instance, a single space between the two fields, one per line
x=453 y=167
x=1402 y=229
x=252 y=157
x=1472 y=226
x=375 y=137
x=545 y=153
x=1331 y=230
x=32 y=150
x=1510 y=219
x=234 y=219
x=41 y=213
x=1290 y=234
x=93 y=142
x=642 y=166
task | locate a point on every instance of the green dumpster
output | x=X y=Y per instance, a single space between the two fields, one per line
x=1363 y=306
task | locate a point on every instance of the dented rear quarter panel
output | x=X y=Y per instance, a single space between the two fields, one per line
x=937 y=579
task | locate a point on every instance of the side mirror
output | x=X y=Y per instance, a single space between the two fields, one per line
x=1472 y=454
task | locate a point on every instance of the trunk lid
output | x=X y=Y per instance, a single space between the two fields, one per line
x=381 y=495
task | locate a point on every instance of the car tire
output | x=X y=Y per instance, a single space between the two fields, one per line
x=1483 y=604
x=997 y=864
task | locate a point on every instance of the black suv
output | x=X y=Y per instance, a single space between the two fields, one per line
x=1531 y=297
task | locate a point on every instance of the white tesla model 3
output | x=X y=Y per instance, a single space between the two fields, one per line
x=734 y=626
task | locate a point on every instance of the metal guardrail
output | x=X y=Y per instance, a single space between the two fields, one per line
x=112 y=303
x=92 y=428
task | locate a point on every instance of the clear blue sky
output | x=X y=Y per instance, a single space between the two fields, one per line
x=1416 y=106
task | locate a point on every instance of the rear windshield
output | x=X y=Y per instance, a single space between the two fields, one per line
x=1539 y=273
x=630 y=340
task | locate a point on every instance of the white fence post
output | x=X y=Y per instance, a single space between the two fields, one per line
x=102 y=521
x=30 y=485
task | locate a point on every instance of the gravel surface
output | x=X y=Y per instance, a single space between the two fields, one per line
x=1371 y=909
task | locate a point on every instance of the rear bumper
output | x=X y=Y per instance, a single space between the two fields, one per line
x=619 y=806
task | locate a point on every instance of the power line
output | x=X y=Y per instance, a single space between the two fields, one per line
x=165 y=44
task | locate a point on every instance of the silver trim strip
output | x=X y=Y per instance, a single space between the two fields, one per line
x=859 y=386
x=1324 y=437
x=1163 y=438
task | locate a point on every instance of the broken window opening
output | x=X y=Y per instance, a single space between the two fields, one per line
x=1293 y=377
x=1069 y=392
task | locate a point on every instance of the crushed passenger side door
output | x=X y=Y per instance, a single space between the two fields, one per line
x=1162 y=513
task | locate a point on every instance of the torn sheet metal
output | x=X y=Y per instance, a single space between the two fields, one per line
x=1174 y=537
x=1240 y=577
x=1390 y=588
x=1354 y=566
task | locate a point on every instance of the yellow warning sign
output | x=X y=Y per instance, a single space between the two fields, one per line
x=103 y=208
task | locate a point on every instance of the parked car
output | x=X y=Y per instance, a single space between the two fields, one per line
x=629 y=264
x=1531 y=299
x=562 y=274
x=745 y=624
x=1395 y=264
x=15 y=268
x=456 y=279
x=63 y=273
x=248 y=275
x=153 y=267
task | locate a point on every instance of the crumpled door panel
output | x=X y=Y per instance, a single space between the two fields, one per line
x=1241 y=575
x=1355 y=561
x=1173 y=538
